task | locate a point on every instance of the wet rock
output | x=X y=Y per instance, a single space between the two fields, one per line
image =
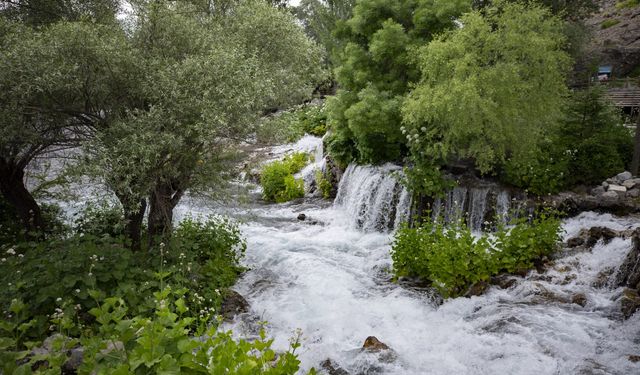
x=602 y=279
x=634 y=358
x=385 y=354
x=617 y=188
x=598 y=190
x=593 y=235
x=332 y=368
x=233 y=304
x=629 y=303
x=477 y=289
x=374 y=345
x=579 y=299
x=302 y=217
x=575 y=242
x=609 y=195
x=545 y=296
x=624 y=176
x=629 y=271
x=635 y=193
x=503 y=281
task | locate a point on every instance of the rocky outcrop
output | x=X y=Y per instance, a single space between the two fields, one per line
x=233 y=304
x=629 y=303
x=629 y=272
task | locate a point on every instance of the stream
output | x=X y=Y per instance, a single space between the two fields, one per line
x=328 y=278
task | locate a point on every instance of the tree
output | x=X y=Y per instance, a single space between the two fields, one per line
x=489 y=89
x=376 y=71
x=207 y=80
x=60 y=84
x=45 y=12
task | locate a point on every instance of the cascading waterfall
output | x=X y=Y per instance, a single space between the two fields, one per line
x=376 y=200
x=374 y=197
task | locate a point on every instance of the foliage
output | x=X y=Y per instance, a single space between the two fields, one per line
x=594 y=138
x=570 y=10
x=609 y=23
x=453 y=258
x=164 y=342
x=544 y=171
x=375 y=72
x=627 y=4
x=292 y=125
x=100 y=219
x=475 y=81
x=321 y=19
x=324 y=184
x=277 y=180
x=203 y=257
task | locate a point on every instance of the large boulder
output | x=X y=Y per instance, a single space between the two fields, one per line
x=624 y=176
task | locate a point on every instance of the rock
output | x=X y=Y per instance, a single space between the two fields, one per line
x=629 y=272
x=632 y=183
x=374 y=345
x=617 y=188
x=602 y=279
x=579 y=299
x=302 y=217
x=605 y=185
x=629 y=303
x=598 y=190
x=622 y=177
x=634 y=358
x=595 y=234
x=575 y=242
x=503 y=281
x=332 y=368
x=609 y=195
x=477 y=289
x=635 y=193
x=76 y=356
x=233 y=304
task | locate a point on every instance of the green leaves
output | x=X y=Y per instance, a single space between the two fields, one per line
x=278 y=183
x=453 y=258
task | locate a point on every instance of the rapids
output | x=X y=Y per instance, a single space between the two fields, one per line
x=328 y=278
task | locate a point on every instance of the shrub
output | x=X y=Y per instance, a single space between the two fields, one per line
x=100 y=220
x=77 y=271
x=277 y=180
x=543 y=172
x=453 y=259
x=324 y=184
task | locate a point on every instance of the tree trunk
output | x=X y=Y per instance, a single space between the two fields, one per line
x=635 y=161
x=134 y=210
x=17 y=195
x=133 y=228
x=164 y=198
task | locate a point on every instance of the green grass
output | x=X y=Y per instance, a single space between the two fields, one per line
x=609 y=23
x=627 y=4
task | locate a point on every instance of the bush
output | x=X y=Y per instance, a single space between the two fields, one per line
x=324 y=184
x=277 y=180
x=453 y=259
x=100 y=220
x=202 y=257
x=543 y=172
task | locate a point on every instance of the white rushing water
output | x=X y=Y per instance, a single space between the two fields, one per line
x=330 y=280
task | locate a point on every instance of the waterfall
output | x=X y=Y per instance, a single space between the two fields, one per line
x=373 y=197
x=376 y=201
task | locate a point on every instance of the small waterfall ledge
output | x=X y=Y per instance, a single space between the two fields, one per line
x=375 y=200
